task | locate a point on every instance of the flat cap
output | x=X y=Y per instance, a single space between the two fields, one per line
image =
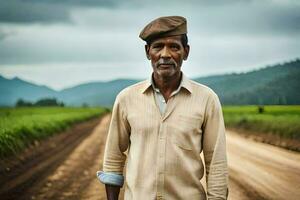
x=163 y=27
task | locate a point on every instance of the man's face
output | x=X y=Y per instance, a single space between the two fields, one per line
x=166 y=55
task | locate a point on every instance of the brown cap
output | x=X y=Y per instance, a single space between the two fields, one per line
x=164 y=26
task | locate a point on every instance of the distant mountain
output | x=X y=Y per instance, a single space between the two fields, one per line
x=13 y=89
x=97 y=93
x=277 y=84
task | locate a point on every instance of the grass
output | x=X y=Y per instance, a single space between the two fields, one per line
x=279 y=120
x=20 y=127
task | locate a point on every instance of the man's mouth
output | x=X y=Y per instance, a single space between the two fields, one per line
x=166 y=65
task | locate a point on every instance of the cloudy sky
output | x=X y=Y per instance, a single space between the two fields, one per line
x=61 y=43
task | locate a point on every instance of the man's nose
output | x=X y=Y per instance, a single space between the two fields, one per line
x=165 y=53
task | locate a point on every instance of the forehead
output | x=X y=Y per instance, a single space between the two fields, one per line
x=168 y=39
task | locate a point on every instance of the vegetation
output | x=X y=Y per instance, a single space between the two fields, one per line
x=280 y=120
x=41 y=102
x=274 y=85
x=20 y=127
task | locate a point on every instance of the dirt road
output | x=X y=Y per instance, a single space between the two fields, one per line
x=262 y=171
x=257 y=171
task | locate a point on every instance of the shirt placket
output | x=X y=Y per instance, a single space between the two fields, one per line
x=161 y=160
x=162 y=145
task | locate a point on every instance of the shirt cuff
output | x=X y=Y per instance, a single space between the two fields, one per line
x=110 y=178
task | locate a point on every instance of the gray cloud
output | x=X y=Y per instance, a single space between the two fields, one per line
x=233 y=19
x=5 y=33
x=53 y=11
x=61 y=43
x=44 y=11
x=17 y=11
x=90 y=38
x=253 y=19
x=104 y=34
x=286 y=18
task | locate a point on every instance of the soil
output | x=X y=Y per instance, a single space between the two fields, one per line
x=64 y=167
x=261 y=171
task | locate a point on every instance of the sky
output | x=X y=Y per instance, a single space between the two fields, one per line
x=62 y=43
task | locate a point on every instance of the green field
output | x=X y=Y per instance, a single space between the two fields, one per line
x=279 y=120
x=19 y=127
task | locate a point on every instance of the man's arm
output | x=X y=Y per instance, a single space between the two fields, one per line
x=112 y=192
x=214 y=149
x=114 y=156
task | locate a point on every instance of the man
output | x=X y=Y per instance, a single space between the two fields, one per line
x=161 y=126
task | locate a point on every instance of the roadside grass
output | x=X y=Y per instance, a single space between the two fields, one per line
x=283 y=121
x=20 y=127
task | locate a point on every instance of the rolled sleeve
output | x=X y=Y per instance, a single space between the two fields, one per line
x=110 y=178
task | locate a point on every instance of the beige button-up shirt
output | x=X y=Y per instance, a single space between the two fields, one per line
x=163 y=149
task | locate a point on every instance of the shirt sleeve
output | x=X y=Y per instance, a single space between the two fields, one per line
x=214 y=150
x=116 y=144
x=110 y=178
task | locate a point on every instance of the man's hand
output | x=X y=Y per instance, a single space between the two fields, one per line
x=112 y=192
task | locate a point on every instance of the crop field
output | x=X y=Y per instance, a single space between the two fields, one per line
x=21 y=126
x=279 y=120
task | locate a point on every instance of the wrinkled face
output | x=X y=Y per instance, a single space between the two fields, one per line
x=166 y=55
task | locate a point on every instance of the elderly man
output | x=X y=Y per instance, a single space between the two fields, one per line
x=161 y=126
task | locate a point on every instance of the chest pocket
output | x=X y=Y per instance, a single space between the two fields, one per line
x=187 y=132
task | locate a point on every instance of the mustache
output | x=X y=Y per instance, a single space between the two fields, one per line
x=166 y=63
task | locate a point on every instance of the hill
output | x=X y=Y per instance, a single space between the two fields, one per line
x=13 y=89
x=96 y=93
x=277 y=84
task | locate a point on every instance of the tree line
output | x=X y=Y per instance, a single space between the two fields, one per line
x=38 y=103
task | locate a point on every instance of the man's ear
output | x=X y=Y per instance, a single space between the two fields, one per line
x=147 y=47
x=186 y=52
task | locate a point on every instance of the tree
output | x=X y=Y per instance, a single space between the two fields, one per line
x=23 y=103
x=48 y=102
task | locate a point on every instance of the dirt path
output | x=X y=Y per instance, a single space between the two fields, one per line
x=75 y=178
x=257 y=171
x=23 y=175
x=262 y=171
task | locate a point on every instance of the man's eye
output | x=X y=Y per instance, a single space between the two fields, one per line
x=156 y=46
x=175 y=47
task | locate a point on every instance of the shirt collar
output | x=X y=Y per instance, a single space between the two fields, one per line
x=185 y=83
